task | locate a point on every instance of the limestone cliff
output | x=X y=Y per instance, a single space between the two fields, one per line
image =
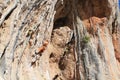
x=59 y=40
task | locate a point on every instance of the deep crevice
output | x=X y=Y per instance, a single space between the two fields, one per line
x=61 y=22
x=55 y=77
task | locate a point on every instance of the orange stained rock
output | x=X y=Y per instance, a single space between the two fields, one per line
x=45 y=43
x=117 y=55
x=97 y=20
x=116 y=44
x=87 y=23
x=92 y=22
x=43 y=47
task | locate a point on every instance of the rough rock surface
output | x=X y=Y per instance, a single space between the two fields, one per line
x=59 y=40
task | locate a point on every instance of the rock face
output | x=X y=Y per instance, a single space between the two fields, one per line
x=99 y=20
x=59 y=40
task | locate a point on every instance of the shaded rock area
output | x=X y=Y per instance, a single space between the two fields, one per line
x=62 y=54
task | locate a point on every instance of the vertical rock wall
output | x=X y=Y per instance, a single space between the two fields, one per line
x=59 y=40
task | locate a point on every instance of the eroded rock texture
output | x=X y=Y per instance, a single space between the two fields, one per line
x=59 y=40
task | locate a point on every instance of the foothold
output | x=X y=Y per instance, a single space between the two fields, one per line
x=55 y=77
x=30 y=32
x=33 y=64
x=51 y=55
x=33 y=55
x=45 y=43
x=42 y=48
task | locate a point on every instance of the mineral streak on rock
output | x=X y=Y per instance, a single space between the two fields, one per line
x=59 y=40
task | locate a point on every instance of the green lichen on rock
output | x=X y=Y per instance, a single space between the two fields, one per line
x=86 y=39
